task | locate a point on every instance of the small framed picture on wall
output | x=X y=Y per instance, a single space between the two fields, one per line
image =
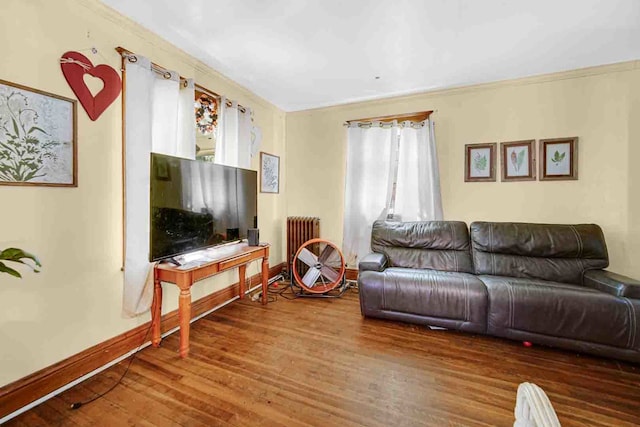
x=559 y=159
x=269 y=173
x=518 y=160
x=480 y=162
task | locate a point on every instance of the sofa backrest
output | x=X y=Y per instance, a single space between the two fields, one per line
x=438 y=245
x=559 y=253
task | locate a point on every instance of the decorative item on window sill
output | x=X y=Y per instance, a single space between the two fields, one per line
x=74 y=66
x=207 y=154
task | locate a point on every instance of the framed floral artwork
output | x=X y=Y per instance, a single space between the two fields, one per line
x=269 y=173
x=37 y=137
x=480 y=162
x=518 y=160
x=559 y=159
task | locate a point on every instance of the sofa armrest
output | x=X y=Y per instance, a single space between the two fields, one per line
x=373 y=262
x=612 y=283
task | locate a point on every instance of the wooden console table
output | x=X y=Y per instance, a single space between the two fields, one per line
x=230 y=257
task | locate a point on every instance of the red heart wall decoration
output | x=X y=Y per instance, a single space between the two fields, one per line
x=74 y=66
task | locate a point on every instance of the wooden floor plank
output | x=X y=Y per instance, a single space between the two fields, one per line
x=311 y=362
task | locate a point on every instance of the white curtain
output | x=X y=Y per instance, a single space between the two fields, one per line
x=370 y=157
x=418 y=182
x=233 y=142
x=379 y=156
x=159 y=117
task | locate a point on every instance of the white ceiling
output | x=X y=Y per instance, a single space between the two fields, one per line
x=301 y=54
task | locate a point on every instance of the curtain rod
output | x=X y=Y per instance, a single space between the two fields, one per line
x=212 y=93
x=413 y=117
x=161 y=70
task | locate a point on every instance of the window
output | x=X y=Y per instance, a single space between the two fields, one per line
x=392 y=173
x=223 y=129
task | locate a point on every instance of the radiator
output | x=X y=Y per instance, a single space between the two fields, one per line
x=299 y=230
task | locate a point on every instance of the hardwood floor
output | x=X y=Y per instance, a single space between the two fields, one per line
x=318 y=362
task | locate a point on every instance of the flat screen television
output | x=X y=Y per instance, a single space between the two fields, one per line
x=197 y=204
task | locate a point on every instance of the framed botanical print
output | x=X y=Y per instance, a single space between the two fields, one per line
x=269 y=173
x=559 y=159
x=480 y=162
x=37 y=137
x=518 y=160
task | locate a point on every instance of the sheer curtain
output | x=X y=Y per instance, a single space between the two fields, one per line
x=370 y=156
x=233 y=143
x=381 y=157
x=159 y=117
x=418 y=181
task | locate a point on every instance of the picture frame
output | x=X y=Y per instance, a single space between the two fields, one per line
x=269 y=173
x=480 y=162
x=558 y=159
x=518 y=160
x=38 y=137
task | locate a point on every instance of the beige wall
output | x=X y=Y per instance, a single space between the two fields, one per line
x=632 y=249
x=594 y=104
x=76 y=301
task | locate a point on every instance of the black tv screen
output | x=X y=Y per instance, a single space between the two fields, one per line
x=197 y=204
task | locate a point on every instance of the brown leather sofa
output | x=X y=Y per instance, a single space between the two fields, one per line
x=541 y=283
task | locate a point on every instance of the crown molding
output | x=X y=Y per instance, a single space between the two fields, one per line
x=457 y=90
x=115 y=17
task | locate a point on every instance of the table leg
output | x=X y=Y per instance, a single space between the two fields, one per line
x=156 y=312
x=242 y=271
x=184 y=317
x=265 y=279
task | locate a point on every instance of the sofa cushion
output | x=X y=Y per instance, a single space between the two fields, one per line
x=438 y=245
x=553 y=252
x=561 y=310
x=438 y=294
x=612 y=283
x=373 y=261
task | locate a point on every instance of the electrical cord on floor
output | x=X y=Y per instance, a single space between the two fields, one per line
x=77 y=405
x=281 y=292
x=272 y=295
